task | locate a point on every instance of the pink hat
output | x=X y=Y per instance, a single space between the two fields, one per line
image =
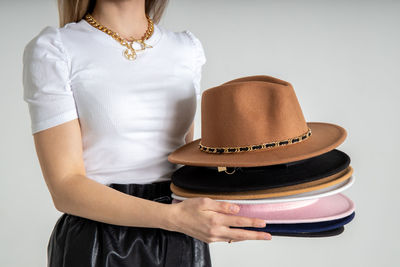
x=306 y=211
x=315 y=210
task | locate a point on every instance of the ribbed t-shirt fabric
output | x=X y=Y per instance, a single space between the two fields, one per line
x=132 y=113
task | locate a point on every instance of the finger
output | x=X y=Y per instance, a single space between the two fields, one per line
x=220 y=206
x=235 y=234
x=241 y=221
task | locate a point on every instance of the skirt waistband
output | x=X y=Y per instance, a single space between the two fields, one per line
x=157 y=191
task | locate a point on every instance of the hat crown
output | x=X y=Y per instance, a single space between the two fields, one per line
x=249 y=111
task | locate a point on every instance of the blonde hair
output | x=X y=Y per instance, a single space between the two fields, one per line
x=74 y=10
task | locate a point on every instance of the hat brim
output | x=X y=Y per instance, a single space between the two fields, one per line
x=324 y=192
x=319 y=210
x=323 y=209
x=328 y=233
x=324 y=138
x=208 y=179
x=274 y=192
x=302 y=227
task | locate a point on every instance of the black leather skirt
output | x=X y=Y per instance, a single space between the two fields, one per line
x=76 y=241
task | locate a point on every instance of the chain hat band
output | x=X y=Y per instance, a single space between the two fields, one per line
x=293 y=140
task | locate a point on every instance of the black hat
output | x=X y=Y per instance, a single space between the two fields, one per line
x=209 y=179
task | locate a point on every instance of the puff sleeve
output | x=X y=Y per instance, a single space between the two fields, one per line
x=45 y=78
x=199 y=60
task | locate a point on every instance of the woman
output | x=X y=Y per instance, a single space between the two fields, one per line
x=110 y=94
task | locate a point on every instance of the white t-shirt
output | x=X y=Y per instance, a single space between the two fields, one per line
x=132 y=113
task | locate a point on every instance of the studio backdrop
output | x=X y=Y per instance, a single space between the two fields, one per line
x=342 y=58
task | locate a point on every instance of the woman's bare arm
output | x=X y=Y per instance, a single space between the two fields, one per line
x=59 y=151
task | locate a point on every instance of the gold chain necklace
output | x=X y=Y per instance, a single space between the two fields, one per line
x=130 y=52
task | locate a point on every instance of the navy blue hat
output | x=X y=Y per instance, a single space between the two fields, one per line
x=334 y=232
x=301 y=228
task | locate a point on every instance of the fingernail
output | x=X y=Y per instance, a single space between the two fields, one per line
x=268 y=236
x=234 y=208
x=262 y=224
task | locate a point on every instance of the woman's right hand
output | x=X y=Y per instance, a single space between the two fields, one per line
x=208 y=220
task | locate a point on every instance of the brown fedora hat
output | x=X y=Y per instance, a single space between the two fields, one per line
x=255 y=121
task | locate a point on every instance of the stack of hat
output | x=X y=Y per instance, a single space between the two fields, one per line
x=257 y=150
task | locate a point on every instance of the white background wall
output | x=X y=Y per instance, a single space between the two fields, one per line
x=342 y=58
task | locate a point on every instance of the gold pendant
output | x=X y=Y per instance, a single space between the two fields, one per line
x=143 y=45
x=141 y=42
x=130 y=54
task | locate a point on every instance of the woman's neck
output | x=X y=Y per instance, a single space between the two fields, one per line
x=127 y=17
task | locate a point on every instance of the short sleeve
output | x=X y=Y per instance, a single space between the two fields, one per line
x=199 y=60
x=45 y=78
